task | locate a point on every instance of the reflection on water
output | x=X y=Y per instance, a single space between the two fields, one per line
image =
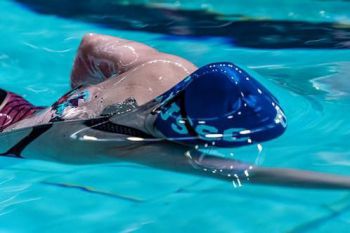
x=338 y=85
x=252 y=33
x=329 y=81
x=315 y=91
x=298 y=79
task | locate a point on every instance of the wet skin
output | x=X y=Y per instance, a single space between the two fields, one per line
x=112 y=69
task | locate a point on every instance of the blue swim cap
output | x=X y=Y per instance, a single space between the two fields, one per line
x=221 y=105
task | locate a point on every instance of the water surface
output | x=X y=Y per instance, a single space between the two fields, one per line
x=302 y=48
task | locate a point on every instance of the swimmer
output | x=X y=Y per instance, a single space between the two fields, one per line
x=132 y=102
x=218 y=103
x=107 y=70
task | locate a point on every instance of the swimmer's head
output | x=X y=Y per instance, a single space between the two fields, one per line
x=221 y=105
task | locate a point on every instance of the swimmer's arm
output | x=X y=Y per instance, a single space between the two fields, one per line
x=241 y=173
x=100 y=57
x=171 y=156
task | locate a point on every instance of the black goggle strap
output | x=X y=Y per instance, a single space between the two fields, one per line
x=101 y=124
x=17 y=149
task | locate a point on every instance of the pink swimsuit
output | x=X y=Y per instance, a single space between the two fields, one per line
x=14 y=108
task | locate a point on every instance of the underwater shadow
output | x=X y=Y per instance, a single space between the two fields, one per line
x=199 y=24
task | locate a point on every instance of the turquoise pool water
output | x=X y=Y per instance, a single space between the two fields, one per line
x=38 y=44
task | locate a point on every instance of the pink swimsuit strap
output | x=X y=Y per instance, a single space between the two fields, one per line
x=14 y=108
